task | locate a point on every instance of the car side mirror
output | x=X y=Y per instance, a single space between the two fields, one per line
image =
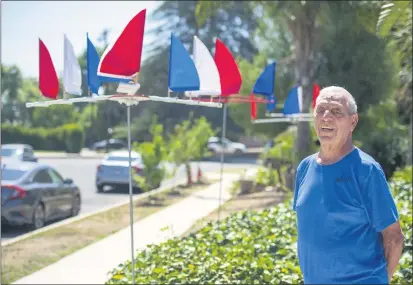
x=68 y=181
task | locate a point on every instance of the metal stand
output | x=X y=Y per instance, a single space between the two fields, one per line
x=224 y=125
x=130 y=197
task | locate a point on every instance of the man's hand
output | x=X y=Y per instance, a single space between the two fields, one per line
x=393 y=245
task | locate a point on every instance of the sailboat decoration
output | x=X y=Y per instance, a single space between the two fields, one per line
x=72 y=73
x=122 y=59
x=184 y=75
x=264 y=85
x=292 y=108
x=48 y=81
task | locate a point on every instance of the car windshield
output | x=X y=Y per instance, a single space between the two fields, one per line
x=6 y=152
x=11 y=174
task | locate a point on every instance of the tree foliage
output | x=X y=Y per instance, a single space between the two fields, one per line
x=395 y=25
x=188 y=142
x=153 y=155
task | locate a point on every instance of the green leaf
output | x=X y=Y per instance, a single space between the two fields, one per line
x=391 y=13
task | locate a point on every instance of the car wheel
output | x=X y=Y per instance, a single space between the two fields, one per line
x=99 y=188
x=238 y=152
x=76 y=206
x=39 y=217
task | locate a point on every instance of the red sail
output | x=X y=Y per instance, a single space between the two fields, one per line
x=316 y=91
x=123 y=58
x=48 y=81
x=229 y=74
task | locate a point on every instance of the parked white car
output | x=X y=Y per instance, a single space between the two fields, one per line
x=228 y=147
x=114 y=169
x=20 y=152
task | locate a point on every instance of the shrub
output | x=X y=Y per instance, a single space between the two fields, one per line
x=67 y=138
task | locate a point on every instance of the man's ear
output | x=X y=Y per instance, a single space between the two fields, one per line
x=355 y=120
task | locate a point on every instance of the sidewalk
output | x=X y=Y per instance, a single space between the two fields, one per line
x=91 y=264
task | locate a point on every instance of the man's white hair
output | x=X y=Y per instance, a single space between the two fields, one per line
x=337 y=92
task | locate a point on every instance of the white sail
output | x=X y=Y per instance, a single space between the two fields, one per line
x=207 y=70
x=72 y=73
x=300 y=98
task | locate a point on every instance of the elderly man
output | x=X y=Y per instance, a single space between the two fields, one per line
x=348 y=229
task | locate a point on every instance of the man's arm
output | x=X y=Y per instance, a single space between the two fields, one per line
x=393 y=245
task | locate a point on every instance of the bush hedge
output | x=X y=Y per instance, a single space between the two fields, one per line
x=248 y=248
x=69 y=137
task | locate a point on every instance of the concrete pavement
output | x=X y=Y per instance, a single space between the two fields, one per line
x=92 y=264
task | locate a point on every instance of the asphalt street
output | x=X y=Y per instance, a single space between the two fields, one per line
x=83 y=173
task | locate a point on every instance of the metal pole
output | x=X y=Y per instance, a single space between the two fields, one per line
x=130 y=197
x=224 y=124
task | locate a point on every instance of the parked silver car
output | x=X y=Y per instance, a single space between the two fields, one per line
x=34 y=193
x=228 y=147
x=22 y=152
x=114 y=169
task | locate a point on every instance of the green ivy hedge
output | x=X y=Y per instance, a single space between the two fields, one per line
x=247 y=248
x=69 y=137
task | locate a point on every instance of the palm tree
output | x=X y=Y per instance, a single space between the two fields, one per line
x=395 y=25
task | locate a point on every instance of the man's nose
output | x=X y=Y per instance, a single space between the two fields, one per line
x=327 y=115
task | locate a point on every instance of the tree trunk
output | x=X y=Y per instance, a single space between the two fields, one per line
x=409 y=156
x=188 y=174
x=304 y=32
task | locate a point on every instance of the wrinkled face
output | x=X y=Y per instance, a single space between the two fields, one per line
x=332 y=121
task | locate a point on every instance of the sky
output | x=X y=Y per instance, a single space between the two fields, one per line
x=24 y=22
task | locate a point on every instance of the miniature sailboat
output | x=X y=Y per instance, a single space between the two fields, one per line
x=72 y=73
x=122 y=59
x=294 y=102
x=293 y=105
x=264 y=85
x=48 y=81
x=210 y=82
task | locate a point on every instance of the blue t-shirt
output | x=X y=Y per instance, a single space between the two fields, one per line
x=341 y=210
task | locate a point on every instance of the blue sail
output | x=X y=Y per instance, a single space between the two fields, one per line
x=92 y=67
x=265 y=86
x=183 y=75
x=265 y=82
x=292 y=104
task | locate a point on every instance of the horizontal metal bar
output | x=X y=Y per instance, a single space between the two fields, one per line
x=186 y=101
x=280 y=115
x=122 y=98
x=67 y=101
x=276 y=120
